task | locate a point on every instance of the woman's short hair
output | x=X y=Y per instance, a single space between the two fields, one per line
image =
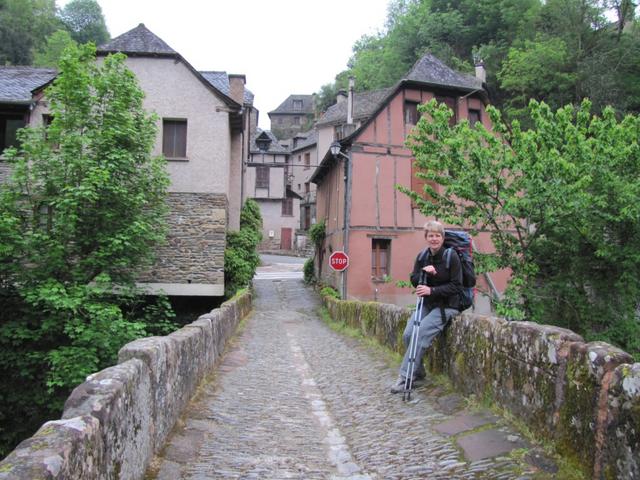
x=434 y=226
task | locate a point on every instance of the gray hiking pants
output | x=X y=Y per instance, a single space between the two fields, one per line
x=430 y=326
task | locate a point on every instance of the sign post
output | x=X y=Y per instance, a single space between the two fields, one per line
x=339 y=261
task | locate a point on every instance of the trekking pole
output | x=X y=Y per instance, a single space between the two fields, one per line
x=413 y=349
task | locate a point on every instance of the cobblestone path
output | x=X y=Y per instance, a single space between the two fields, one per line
x=294 y=399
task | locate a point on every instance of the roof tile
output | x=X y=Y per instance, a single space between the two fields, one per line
x=286 y=107
x=139 y=40
x=16 y=83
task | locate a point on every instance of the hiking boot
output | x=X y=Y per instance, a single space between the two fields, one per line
x=398 y=386
x=400 y=383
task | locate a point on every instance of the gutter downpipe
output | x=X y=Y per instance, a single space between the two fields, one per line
x=347 y=217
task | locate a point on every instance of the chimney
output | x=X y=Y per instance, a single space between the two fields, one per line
x=236 y=87
x=481 y=73
x=341 y=96
x=350 y=101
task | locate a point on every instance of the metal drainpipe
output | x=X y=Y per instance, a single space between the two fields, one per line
x=247 y=123
x=347 y=215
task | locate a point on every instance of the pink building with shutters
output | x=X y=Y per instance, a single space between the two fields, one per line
x=365 y=215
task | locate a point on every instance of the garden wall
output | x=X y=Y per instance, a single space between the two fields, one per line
x=583 y=396
x=114 y=423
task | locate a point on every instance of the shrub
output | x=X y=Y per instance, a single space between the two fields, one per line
x=308 y=271
x=241 y=255
x=329 y=292
x=317 y=234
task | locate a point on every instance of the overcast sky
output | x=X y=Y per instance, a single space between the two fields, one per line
x=282 y=46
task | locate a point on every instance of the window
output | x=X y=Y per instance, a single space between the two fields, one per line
x=380 y=249
x=296 y=120
x=307 y=187
x=307 y=161
x=417 y=184
x=279 y=120
x=451 y=103
x=262 y=177
x=410 y=113
x=474 y=116
x=297 y=105
x=9 y=126
x=174 y=138
x=287 y=207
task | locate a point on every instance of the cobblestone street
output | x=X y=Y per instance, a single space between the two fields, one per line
x=294 y=399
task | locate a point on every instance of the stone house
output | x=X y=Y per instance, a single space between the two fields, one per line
x=267 y=181
x=304 y=160
x=17 y=85
x=365 y=215
x=203 y=125
x=296 y=114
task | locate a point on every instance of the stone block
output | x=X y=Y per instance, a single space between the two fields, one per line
x=392 y=319
x=590 y=367
x=528 y=366
x=121 y=398
x=466 y=352
x=60 y=449
x=190 y=346
x=206 y=328
x=621 y=453
x=160 y=354
x=488 y=444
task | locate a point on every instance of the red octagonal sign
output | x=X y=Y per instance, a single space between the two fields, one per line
x=339 y=261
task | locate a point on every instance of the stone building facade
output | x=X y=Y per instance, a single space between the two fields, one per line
x=203 y=120
x=267 y=181
x=194 y=250
x=296 y=114
x=203 y=132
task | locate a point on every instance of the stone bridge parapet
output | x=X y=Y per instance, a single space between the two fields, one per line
x=114 y=422
x=585 y=397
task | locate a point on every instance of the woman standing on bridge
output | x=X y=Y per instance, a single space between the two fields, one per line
x=439 y=289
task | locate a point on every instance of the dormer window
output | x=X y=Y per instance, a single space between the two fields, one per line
x=263 y=142
x=297 y=105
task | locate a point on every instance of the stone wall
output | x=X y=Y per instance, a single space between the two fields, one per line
x=585 y=397
x=114 y=422
x=194 y=250
x=5 y=170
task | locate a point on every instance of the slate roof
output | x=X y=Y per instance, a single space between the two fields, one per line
x=139 y=40
x=427 y=71
x=433 y=71
x=311 y=139
x=364 y=104
x=286 y=107
x=142 y=42
x=220 y=80
x=274 y=146
x=17 y=83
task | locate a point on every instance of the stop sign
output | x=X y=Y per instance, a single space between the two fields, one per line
x=339 y=261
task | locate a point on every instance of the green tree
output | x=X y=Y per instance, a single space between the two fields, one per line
x=560 y=202
x=85 y=22
x=50 y=54
x=241 y=255
x=24 y=27
x=83 y=210
x=539 y=70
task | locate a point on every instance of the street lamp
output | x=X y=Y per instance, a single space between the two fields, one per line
x=335 y=150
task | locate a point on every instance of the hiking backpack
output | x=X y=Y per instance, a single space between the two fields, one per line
x=460 y=242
